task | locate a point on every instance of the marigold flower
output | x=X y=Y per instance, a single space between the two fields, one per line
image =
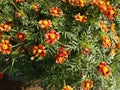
x=62 y=55
x=35 y=7
x=104 y=26
x=55 y=11
x=80 y=18
x=87 y=84
x=5 y=47
x=20 y=1
x=20 y=36
x=39 y=51
x=67 y=87
x=45 y=24
x=104 y=69
x=59 y=59
x=106 y=42
x=51 y=37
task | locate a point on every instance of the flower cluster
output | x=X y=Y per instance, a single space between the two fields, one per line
x=105 y=8
x=104 y=69
x=5 y=47
x=39 y=51
x=51 y=37
x=62 y=55
x=80 y=18
x=87 y=84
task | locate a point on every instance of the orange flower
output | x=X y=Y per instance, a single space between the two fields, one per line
x=80 y=18
x=106 y=42
x=45 y=24
x=39 y=51
x=87 y=84
x=67 y=87
x=104 y=26
x=55 y=11
x=35 y=7
x=104 y=69
x=20 y=36
x=5 y=47
x=51 y=37
x=20 y=1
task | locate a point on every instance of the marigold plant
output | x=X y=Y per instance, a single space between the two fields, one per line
x=61 y=44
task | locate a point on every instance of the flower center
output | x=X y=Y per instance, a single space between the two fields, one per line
x=39 y=50
x=55 y=11
x=20 y=36
x=88 y=85
x=5 y=46
x=105 y=69
x=45 y=22
x=52 y=36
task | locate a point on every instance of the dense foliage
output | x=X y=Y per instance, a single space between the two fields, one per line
x=61 y=44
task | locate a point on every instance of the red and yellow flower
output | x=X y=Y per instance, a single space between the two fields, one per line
x=55 y=11
x=51 y=37
x=5 y=47
x=104 y=69
x=87 y=84
x=39 y=51
x=20 y=36
x=106 y=42
x=45 y=24
x=80 y=18
x=62 y=55
x=35 y=7
x=104 y=26
x=67 y=87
